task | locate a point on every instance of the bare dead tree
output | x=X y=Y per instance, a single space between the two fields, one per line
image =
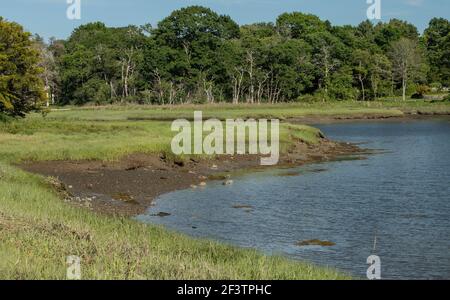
x=261 y=82
x=113 y=89
x=361 y=76
x=159 y=87
x=406 y=62
x=172 y=93
x=381 y=70
x=208 y=87
x=127 y=69
x=237 y=78
x=174 y=90
x=250 y=59
x=273 y=91
x=50 y=74
x=327 y=63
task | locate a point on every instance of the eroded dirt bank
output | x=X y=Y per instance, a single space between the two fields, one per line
x=129 y=186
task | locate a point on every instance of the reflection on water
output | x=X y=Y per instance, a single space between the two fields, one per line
x=401 y=196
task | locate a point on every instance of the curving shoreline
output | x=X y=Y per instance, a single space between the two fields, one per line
x=129 y=186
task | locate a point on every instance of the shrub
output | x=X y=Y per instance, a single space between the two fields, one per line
x=95 y=90
x=436 y=87
x=307 y=99
x=421 y=90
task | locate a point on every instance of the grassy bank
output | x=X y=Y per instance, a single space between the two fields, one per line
x=37 y=138
x=38 y=230
x=350 y=109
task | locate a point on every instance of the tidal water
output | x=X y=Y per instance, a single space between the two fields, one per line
x=394 y=204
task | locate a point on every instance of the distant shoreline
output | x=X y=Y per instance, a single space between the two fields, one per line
x=350 y=119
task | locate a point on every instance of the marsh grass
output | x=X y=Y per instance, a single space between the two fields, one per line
x=38 y=230
x=38 y=138
x=225 y=111
x=280 y=111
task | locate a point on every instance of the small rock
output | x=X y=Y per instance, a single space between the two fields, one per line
x=179 y=163
x=202 y=183
x=124 y=198
x=193 y=186
x=243 y=206
x=132 y=168
x=315 y=242
x=214 y=167
x=162 y=214
x=70 y=187
x=228 y=182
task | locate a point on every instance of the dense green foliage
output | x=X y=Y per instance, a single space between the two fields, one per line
x=21 y=87
x=198 y=56
x=437 y=41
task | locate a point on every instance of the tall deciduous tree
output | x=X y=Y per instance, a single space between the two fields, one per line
x=407 y=60
x=189 y=41
x=361 y=69
x=394 y=30
x=380 y=75
x=297 y=25
x=49 y=75
x=437 y=42
x=102 y=64
x=21 y=88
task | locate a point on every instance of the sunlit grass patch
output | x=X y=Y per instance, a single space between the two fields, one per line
x=38 y=231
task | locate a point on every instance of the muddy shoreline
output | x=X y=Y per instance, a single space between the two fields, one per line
x=407 y=117
x=129 y=186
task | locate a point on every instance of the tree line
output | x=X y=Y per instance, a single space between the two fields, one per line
x=198 y=56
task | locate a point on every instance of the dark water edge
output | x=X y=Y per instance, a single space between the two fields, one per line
x=400 y=197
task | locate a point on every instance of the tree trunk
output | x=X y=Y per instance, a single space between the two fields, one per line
x=404 y=89
x=362 y=88
x=251 y=61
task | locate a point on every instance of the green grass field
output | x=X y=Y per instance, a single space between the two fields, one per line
x=280 y=111
x=38 y=230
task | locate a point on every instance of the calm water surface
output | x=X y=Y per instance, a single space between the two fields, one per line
x=401 y=196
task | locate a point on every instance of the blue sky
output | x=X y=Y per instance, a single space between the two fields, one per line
x=48 y=17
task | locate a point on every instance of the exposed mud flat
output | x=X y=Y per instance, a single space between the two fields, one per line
x=129 y=186
x=365 y=118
